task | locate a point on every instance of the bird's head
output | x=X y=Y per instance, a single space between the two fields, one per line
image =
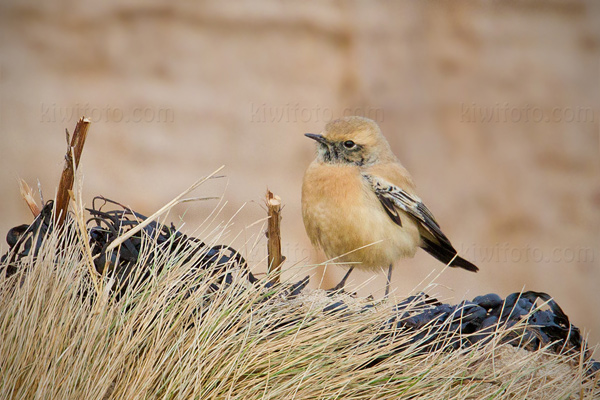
x=352 y=140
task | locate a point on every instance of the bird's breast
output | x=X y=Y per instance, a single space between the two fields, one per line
x=343 y=216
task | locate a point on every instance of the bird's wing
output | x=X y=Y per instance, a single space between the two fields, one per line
x=394 y=199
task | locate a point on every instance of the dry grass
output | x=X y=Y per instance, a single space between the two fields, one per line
x=60 y=342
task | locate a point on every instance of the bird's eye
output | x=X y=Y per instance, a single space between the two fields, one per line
x=349 y=144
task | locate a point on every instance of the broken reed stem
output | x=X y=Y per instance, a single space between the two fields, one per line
x=68 y=175
x=275 y=259
x=27 y=195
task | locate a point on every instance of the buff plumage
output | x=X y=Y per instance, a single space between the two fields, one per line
x=359 y=203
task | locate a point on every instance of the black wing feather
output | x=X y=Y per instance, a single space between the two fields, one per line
x=388 y=206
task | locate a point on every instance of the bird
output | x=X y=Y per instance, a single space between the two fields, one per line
x=359 y=204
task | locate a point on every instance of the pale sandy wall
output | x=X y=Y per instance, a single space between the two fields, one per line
x=239 y=83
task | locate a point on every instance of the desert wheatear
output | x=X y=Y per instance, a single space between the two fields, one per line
x=359 y=203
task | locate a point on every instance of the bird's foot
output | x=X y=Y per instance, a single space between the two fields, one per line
x=339 y=288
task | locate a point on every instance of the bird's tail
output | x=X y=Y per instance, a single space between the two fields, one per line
x=447 y=253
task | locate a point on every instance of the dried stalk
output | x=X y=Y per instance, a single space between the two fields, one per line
x=275 y=258
x=68 y=175
x=27 y=195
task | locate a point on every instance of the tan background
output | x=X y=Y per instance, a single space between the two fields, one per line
x=238 y=83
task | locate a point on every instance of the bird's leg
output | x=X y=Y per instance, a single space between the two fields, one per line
x=389 y=279
x=343 y=281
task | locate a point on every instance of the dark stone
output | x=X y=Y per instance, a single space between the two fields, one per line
x=488 y=301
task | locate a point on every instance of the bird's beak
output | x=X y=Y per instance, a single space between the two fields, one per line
x=318 y=138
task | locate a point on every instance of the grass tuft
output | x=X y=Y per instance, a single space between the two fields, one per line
x=174 y=337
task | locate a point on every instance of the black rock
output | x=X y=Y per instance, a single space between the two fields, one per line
x=488 y=301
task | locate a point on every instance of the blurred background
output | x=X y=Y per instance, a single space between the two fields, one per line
x=492 y=105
